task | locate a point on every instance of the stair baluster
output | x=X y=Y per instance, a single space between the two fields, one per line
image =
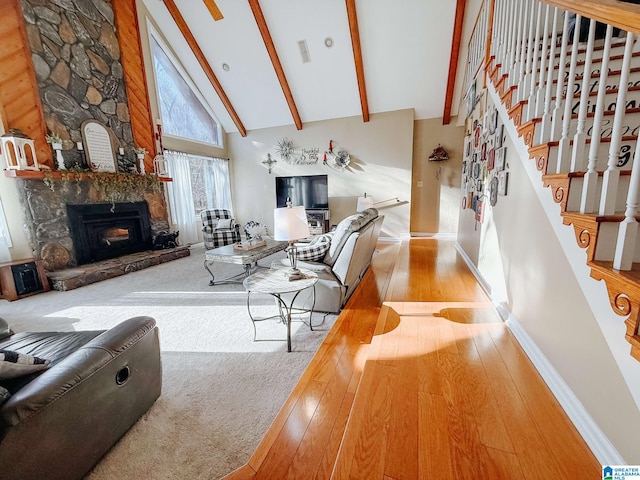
x=502 y=53
x=534 y=67
x=628 y=230
x=522 y=95
x=564 y=156
x=545 y=125
x=540 y=90
x=579 y=139
x=514 y=12
x=496 y=37
x=590 y=184
x=612 y=173
x=556 y=115
x=522 y=41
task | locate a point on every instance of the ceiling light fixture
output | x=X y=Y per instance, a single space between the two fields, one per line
x=225 y=67
x=328 y=42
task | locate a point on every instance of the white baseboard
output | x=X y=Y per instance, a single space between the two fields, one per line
x=451 y=236
x=592 y=434
x=389 y=239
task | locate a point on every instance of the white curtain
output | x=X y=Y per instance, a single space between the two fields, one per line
x=181 y=197
x=217 y=182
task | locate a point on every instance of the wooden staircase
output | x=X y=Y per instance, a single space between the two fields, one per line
x=594 y=232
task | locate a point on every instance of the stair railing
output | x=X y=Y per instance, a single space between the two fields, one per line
x=526 y=52
x=588 y=135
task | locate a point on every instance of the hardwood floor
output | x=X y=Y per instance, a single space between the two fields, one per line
x=419 y=378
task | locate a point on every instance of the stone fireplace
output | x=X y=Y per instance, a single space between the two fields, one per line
x=50 y=212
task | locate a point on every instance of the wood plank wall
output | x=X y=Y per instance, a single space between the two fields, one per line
x=135 y=78
x=19 y=94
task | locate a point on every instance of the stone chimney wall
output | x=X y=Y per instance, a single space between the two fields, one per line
x=76 y=55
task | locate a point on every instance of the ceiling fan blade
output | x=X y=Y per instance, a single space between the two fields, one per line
x=214 y=10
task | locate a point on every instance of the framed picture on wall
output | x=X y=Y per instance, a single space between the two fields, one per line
x=501 y=155
x=493 y=123
x=499 y=136
x=503 y=182
x=493 y=191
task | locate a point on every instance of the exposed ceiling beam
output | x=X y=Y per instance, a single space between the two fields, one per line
x=213 y=9
x=357 y=57
x=453 y=60
x=202 y=60
x=273 y=55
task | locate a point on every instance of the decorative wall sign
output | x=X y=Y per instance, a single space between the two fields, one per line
x=297 y=156
x=309 y=156
x=99 y=146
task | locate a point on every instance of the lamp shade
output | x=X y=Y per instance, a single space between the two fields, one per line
x=364 y=203
x=290 y=223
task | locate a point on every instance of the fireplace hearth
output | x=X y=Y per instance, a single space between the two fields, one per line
x=103 y=230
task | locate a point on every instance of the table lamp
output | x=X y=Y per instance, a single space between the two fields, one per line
x=290 y=224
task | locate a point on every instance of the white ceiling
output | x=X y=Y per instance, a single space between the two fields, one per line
x=406 y=46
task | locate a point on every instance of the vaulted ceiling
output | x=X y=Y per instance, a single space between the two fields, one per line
x=258 y=78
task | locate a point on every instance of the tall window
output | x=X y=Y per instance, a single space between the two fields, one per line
x=199 y=183
x=183 y=111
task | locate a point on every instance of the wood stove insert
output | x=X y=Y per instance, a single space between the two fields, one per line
x=100 y=231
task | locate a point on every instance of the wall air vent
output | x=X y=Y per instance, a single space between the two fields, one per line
x=304 y=51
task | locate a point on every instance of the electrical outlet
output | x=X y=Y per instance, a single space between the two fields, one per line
x=419 y=184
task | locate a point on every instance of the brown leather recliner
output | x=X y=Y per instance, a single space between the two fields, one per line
x=60 y=421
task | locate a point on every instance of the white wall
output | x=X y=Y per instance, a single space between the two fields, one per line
x=13 y=213
x=519 y=254
x=381 y=159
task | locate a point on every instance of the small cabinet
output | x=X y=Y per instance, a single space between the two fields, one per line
x=22 y=278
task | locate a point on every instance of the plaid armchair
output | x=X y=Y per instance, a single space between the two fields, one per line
x=218 y=228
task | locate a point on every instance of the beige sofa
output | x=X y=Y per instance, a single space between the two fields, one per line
x=344 y=264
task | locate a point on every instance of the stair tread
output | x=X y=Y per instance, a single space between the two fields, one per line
x=580 y=174
x=633 y=274
x=616 y=217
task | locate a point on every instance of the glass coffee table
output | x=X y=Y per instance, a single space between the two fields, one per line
x=275 y=282
x=247 y=258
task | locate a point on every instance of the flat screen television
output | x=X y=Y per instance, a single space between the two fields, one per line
x=309 y=191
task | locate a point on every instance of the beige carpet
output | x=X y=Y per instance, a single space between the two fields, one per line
x=221 y=390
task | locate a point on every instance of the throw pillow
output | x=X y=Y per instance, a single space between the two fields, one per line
x=315 y=250
x=4 y=395
x=224 y=224
x=210 y=228
x=14 y=364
